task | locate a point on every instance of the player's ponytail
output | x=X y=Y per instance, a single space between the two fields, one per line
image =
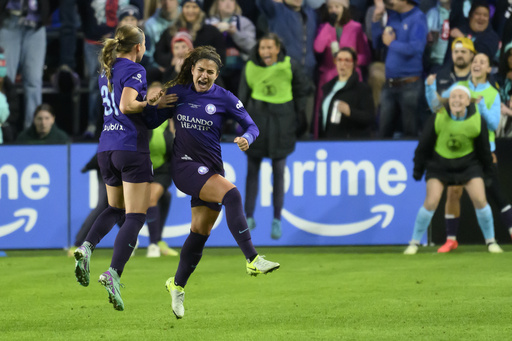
x=126 y=37
x=185 y=75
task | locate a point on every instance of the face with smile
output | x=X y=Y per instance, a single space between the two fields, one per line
x=268 y=51
x=204 y=74
x=191 y=12
x=480 y=67
x=458 y=102
x=479 y=19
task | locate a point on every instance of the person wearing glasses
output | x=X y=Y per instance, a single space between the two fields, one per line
x=347 y=111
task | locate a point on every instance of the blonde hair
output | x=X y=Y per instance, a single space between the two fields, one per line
x=181 y=24
x=214 y=10
x=126 y=37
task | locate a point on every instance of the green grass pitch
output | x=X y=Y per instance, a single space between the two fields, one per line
x=329 y=293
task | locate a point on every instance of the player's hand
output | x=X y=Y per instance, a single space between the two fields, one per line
x=242 y=143
x=167 y=101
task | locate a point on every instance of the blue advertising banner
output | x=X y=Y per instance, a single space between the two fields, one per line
x=33 y=197
x=336 y=193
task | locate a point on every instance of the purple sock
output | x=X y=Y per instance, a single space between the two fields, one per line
x=191 y=254
x=126 y=240
x=153 y=220
x=237 y=224
x=103 y=224
x=506 y=217
x=452 y=225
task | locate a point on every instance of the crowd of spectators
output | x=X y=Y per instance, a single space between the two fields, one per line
x=375 y=88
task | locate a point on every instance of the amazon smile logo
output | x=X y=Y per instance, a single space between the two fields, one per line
x=27 y=217
x=383 y=213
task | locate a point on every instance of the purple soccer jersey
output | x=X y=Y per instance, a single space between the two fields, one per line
x=120 y=131
x=198 y=118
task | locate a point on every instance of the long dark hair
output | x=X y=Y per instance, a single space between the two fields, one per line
x=126 y=37
x=185 y=75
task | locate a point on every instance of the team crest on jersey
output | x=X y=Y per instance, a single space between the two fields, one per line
x=210 y=109
x=202 y=170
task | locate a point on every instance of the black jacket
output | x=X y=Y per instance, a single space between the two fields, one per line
x=359 y=97
x=279 y=124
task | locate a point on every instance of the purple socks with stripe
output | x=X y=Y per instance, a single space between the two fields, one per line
x=190 y=256
x=103 y=224
x=126 y=240
x=237 y=223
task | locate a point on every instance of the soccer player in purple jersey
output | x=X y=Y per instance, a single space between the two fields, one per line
x=196 y=163
x=123 y=157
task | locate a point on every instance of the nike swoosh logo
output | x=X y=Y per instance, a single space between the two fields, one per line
x=242 y=231
x=130 y=245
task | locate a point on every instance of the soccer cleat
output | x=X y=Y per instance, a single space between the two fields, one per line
x=166 y=250
x=494 y=248
x=276 y=229
x=448 y=246
x=82 y=258
x=251 y=223
x=412 y=249
x=153 y=251
x=177 y=296
x=110 y=280
x=260 y=265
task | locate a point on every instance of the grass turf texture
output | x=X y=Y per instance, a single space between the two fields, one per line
x=330 y=293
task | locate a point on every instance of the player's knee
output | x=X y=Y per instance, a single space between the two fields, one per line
x=232 y=197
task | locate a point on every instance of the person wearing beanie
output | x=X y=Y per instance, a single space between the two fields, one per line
x=181 y=45
x=192 y=21
x=454 y=150
x=128 y=15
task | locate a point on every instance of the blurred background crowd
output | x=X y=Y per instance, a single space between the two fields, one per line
x=352 y=69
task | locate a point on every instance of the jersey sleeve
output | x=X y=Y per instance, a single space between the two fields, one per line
x=235 y=109
x=135 y=78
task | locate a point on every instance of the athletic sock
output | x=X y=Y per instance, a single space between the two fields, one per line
x=191 y=254
x=486 y=222
x=153 y=221
x=103 y=224
x=126 y=240
x=452 y=226
x=423 y=219
x=237 y=223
